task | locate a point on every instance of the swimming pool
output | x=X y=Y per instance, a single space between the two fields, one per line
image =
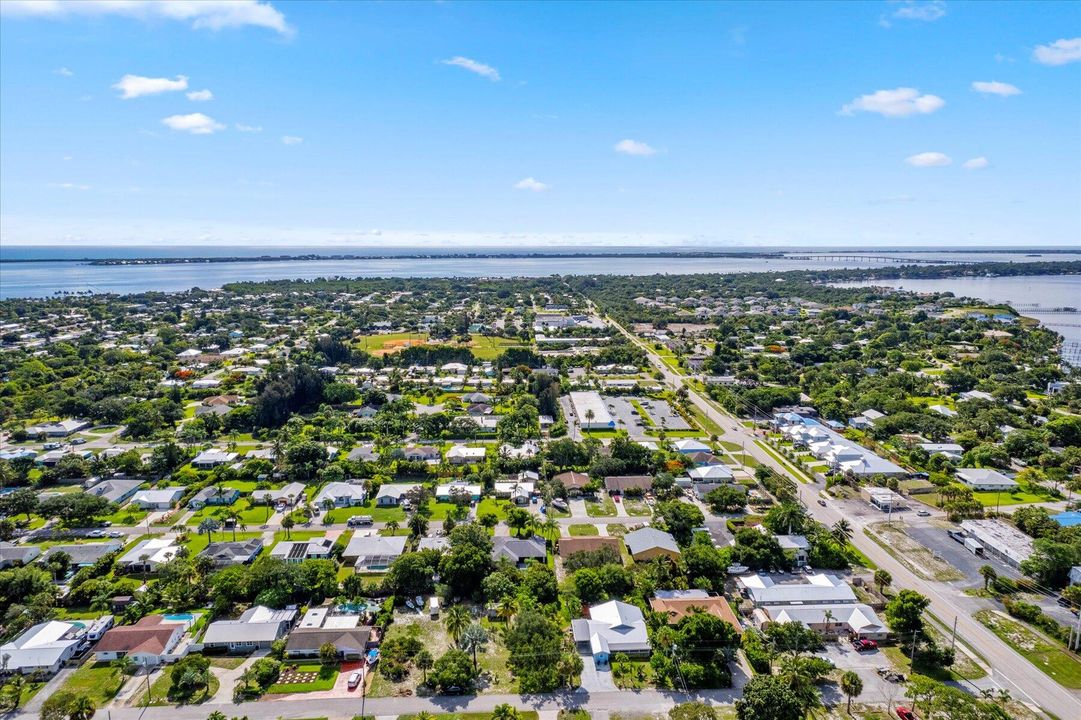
x=1068 y=519
x=186 y=618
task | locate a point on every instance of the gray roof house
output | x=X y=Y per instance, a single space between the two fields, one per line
x=85 y=554
x=519 y=550
x=373 y=553
x=224 y=554
x=257 y=628
x=648 y=543
x=117 y=490
x=12 y=555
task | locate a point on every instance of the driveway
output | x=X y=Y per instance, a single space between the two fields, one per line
x=594 y=679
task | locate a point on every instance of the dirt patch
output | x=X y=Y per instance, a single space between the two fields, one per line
x=914 y=556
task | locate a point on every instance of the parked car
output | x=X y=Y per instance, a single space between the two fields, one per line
x=822 y=503
x=96 y=534
x=864 y=644
x=354 y=679
x=115 y=534
x=904 y=713
x=78 y=441
x=924 y=513
x=359 y=521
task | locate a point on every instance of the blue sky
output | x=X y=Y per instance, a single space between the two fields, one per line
x=557 y=123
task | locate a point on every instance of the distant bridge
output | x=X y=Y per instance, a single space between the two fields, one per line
x=1041 y=310
x=876 y=258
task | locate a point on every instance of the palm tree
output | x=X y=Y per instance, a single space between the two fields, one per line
x=424 y=715
x=208 y=526
x=15 y=688
x=508 y=608
x=424 y=661
x=842 y=531
x=828 y=617
x=456 y=619
x=393 y=526
x=287 y=525
x=418 y=525
x=851 y=686
x=474 y=638
x=550 y=529
x=235 y=517
x=989 y=575
x=504 y=712
x=269 y=505
x=81 y=708
x=882 y=579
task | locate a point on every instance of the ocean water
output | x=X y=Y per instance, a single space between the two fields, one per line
x=69 y=275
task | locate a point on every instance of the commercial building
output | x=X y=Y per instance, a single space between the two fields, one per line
x=590 y=411
x=999 y=540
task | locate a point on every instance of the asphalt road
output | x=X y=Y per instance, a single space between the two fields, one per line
x=1010 y=670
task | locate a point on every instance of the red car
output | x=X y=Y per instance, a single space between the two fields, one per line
x=864 y=644
x=904 y=713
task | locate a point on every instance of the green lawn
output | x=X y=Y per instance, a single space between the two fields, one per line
x=491 y=505
x=1050 y=657
x=583 y=529
x=1019 y=497
x=98 y=681
x=636 y=508
x=489 y=348
x=327 y=675
x=295 y=534
x=126 y=516
x=197 y=542
x=159 y=692
x=603 y=506
x=373 y=343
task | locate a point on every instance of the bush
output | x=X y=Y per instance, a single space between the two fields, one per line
x=756 y=652
x=266 y=671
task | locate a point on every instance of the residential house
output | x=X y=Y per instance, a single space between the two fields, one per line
x=421 y=453
x=227 y=553
x=628 y=484
x=282 y=498
x=44 y=648
x=214 y=495
x=688 y=446
x=297 y=551
x=149 y=642
x=649 y=543
x=519 y=551
x=394 y=494
x=319 y=627
x=568 y=546
x=678 y=604
x=84 y=554
x=464 y=455
x=613 y=627
x=951 y=451
x=373 y=553
x=340 y=494
x=158 y=499
x=517 y=492
x=853 y=620
x=818 y=589
x=444 y=493
x=12 y=555
x=984 y=479
x=115 y=491
x=212 y=458
x=148 y=555
x=256 y=629
x=57 y=429
x=364 y=453
x=574 y=482
x=710 y=473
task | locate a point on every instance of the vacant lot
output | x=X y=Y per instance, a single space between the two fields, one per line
x=98 y=681
x=1047 y=655
x=603 y=506
x=912 y=554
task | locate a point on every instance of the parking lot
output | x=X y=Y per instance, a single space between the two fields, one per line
x=663 y=414
x=626 y=416
x=937 y=541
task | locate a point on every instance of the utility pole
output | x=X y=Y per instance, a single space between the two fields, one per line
x=953 y=639
x=679 y=671
x=915 y=636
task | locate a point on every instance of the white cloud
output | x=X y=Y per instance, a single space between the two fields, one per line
x=63 y=71
x=929 y=159
x=994 y=87
x=205 y=14
x=474 y=67
x=70 y=186
x=133 y=86
x=925 y=11
x=292 y=139
x=1059 y=52
x=200 y=95
x=899 y=102
x=976 y=163
x=530 y=184
x=195 y=123
x=248 y=128
x=634 y=147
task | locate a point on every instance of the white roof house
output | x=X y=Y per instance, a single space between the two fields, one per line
x=710 y=473
x=212 y=458
x=985 y=479
x=45 y=646
x=341 y=494
x=690 y=445
x=819 y=589
x=158 y=550
x=373 y=553
x=257 y=627
x=158 y=499
x=855 y=618
x=612 y=627
x=463 y=454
